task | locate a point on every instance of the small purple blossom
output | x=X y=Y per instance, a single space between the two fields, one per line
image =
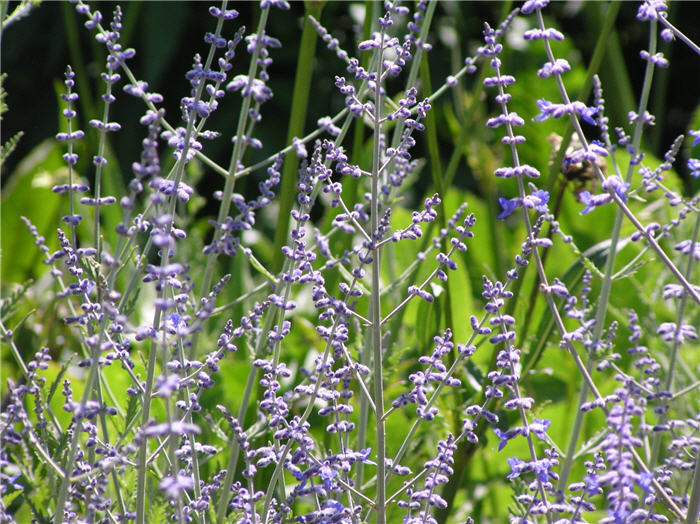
x=651 y=10
x=517 y=467
x=173 y=485
x=592 y=201
x=537 y=200
x=257 y=88
x=549 y=109
x=688 y=247
x=657 y=58
x=539 y=427
x=696 y=137
x=505 y=436
x=616 y=184
x=559 y=67
x=694 y=166
x=508 y=206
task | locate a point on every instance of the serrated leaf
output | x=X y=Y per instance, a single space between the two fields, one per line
x=131 y=303
x=28 y=193
x=9 y=146
x=571 y=279
x=57 y=380
x=158 y=510
x=592 y=444
x=21 y=322
x=631 y=270
x=132 y=410
x=61 y=446
x=9 y=304
x=261 y=269
x=3 y=94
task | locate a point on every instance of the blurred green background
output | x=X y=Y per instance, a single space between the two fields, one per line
x=36 y=50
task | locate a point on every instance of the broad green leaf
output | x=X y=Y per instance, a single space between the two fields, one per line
x=28 y=193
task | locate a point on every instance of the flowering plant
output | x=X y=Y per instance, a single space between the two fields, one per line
x=329 y=327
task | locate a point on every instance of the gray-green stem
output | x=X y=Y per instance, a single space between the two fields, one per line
x=300 y=100
x=376 y=312
x=606 y=284
x=694 y=502
x=150 y=373
x=680 y=313
x=230 y=183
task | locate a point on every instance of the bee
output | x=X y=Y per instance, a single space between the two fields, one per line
x=581 y=172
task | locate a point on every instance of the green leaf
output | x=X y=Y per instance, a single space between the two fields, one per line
x=28 y=193
x=8 y=147
x=546 y=327
x=3 y=95
x=59 y=376
x=459 y=281
x=9 y=304
x=553 y=388
x=481 y=258
x=132 y=410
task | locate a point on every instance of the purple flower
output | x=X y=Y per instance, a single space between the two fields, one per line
x=299 y=148
x=327 y=123
x=543 y=469
x=615 y=183
x=651 y=10
x=517 y=466
x=548 y=109
x=537 y=200
x=9 y=481
x=592 y=486
x=521 y=170
x=539 y=427
x=529 y=6
x=645 y=479
x=696 y=134
x=327 y=474
x=229 y=14
x=331 y=511
x=669 y=330
x=647 y=118
x=176 y=428
x=166 y=386
x=173 y=485
x=536 y=34
x=688 y=247
x=261 y=93
x=593 y=201
x=280 y=4
x=174 y=319
x=503 y=438
x=508 y=206
x=72 y=220
x=694 y=163
x=657 y=59
x=545 y=107
x=557 y=68
x=587 y=113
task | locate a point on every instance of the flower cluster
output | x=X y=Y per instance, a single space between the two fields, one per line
x=342 y=365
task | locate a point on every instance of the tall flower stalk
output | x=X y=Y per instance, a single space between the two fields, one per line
x=364 y=364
